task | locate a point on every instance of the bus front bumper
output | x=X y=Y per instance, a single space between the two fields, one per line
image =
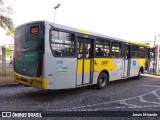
x=34 y=82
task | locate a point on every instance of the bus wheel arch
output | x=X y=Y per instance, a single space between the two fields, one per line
x=103 y=79
x=141 y=70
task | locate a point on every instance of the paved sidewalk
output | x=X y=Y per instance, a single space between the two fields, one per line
x=7 y=80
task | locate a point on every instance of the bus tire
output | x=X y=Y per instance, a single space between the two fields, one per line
x=102 y=80
x=139 y=75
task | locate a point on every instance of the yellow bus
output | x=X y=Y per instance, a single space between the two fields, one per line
x=53 y=56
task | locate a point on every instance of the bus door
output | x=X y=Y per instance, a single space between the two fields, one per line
x=126 y=61
x=84 y=61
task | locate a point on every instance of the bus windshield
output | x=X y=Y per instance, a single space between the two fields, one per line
x=29 y=49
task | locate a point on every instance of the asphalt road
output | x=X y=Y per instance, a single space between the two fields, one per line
x=124 y=95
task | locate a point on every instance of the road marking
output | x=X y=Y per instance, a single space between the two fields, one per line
x=151 y=86
x=142 y=100
x=123 y=107
x=122 y=102
x=128 y=104
x=156 y=95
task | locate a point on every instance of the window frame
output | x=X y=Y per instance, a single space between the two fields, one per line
x=120 y=43
x=139 y=51
x=51 y=42
x=105 y=40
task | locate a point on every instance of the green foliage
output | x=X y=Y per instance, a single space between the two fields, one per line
x=9 y=50
x=10 y=32
x=6 y=21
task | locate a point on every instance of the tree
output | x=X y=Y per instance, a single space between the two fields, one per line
x=6 y=21
x=10 y=32
x=9 y=50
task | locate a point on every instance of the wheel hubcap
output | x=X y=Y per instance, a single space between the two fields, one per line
x=102 y=81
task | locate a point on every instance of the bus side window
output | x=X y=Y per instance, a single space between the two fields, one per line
x=116 y=49
x=80 y=50
x=57 y=53
x=62 y=43
x=88 y=53
x=99 y=52
x=102 y=47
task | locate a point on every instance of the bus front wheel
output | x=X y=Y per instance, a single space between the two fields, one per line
x=102 y=80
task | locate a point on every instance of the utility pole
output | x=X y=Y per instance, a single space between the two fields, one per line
x=56 y=7
x=157 y=59
x=156 y=55
x=3 y=61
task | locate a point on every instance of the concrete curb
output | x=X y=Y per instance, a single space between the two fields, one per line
x=153 y=74
x=9 y=84
x=13 y=84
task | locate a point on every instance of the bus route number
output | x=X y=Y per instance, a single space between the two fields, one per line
x=59 y=62
x=104 y=62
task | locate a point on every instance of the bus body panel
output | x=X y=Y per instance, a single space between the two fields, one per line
x=101 y=64
x=29 y=49
x=136 y=64
x=87 y=68
x=59 y=71
x=125 y=68
x=79 y=71
x=66 y=72
x=113 y=66
x=49 y=60
x=116 y=69
x=119 y=68
x=83 y=78
x=30 y=81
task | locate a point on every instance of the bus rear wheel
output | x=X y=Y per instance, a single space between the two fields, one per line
x=139 y=75
x=102 y=80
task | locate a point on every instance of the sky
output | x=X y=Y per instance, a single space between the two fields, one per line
x=137 y=20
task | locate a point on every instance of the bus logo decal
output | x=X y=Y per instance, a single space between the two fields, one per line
x=59 y=62
x=62 y=69
x=119 y=63
x=134 y=63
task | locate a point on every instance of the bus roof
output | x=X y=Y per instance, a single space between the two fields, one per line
x=96 y=34
x=88 y=33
